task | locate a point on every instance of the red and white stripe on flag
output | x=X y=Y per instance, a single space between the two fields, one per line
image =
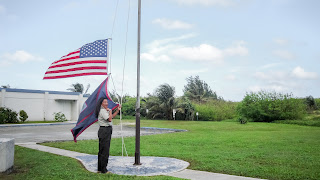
x=74 y=64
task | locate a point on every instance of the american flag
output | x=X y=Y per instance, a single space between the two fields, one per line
x=90 y=59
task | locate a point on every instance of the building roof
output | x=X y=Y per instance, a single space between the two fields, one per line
x=42 y=91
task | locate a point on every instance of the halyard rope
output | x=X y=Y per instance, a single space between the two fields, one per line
x=114 y=19
x=123 y=147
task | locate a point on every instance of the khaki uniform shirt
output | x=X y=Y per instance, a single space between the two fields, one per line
x=103 y=117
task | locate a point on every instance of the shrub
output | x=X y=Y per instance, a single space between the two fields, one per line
x=317 y=101
x=23 y=116
x=184 y=109
x=9 y=115
x=216 y=110
x=2 y=118
x=269 y=106
x=242 y=120
x=60 y=117
x=129 y=106
x=311 y=103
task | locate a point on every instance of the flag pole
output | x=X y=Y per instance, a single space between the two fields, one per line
x=137 y=152
x=108 y=57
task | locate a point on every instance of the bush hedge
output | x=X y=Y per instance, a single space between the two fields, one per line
x=128 y=106
x=23 y=116
x=216 y=110
x=311 y=103
x=270 y=106
x=317 y=101
x=59 y=117
x=8 y=115
x=2 y=118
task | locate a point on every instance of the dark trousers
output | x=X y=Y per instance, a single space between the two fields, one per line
x=104 y=135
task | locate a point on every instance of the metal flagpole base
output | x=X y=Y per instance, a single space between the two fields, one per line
x=137 y=159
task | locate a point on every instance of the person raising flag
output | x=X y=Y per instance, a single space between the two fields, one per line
x=105 y=116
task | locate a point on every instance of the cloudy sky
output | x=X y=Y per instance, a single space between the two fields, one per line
x=235 y=46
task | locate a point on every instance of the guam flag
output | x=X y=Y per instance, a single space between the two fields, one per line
x=87 y=116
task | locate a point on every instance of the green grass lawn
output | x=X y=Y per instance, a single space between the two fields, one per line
x=262 y=150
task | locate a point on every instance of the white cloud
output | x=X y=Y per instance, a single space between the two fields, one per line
x=270 y=87
x=153 y=58
x=272 y=75
x=282 y=81
x=162 y=42
x=261 y=76
x=301 y=74
x=267 y=66
x=237 y=49
x=278 y=86
x=204 y=52
x=20 y=56
x=255 y=88
x=223 y=3
x=272 y=81
x=284 y=54
x=172 y=24
x=283 y=76
x=281 y=41
x=230 y=77
x=207 y=52
x=236 y=69
x=157 y=50
x=4 y=63
x=162 y=50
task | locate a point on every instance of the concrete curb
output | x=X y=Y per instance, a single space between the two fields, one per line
x=163 y=129
x=203 y=175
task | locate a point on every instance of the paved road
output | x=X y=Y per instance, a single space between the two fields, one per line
x=41 y=133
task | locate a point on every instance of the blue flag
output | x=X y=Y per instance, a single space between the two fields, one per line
x=87 y=116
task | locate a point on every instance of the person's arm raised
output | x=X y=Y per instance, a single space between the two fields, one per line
x=115 y=113
x=110 y=114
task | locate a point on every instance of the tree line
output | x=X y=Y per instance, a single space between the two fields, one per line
x=262 y=106
x=200 y=102
x=163 y=101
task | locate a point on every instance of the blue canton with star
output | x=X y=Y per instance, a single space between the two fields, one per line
x=95 y=49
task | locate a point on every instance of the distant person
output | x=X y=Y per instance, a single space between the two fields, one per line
x=104 y=115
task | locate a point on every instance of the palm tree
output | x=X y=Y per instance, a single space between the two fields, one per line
x=161 y=104
x=198 y=90
x=185 y=109
x=153 y=105
x=5 y=86
x=88 y=86
x=77 y=87
x=165 y=94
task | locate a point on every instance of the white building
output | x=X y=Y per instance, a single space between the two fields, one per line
x=41 y=105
